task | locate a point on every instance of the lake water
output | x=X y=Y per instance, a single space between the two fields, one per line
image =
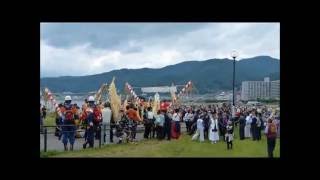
x=50 y=107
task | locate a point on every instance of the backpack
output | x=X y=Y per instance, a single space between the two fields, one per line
x=83 y=116
x=97 y=115
x=68 y=113
x=272 y=131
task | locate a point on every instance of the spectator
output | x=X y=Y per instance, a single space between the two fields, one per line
x=167 y=125
x=259 y=124
x=271 y=133
x=106 y=119
x=247 y=132
x=254 y=127
x=175 y=129
x=200 y=129
x=148 y=122
x=229 y=135
x=242 y=124
x=44 y=112
x=213 y=131
x=186 y=120
x=206 y=122
x=159 y=123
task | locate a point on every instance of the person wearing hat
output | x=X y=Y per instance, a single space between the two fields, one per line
x=68 y=128
x=229 y=135
x=89 y=138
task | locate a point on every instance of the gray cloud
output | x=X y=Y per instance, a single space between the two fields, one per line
x=100 y=47
x=109 y=35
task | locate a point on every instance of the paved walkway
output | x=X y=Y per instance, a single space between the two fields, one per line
x=53 y=143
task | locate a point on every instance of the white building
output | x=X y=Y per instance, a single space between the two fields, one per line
x=252 y=90
x=275 y=89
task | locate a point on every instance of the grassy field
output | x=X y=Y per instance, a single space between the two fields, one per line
x=183 y=147
x=50 y=120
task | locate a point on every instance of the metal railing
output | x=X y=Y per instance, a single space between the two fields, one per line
x=105 y=131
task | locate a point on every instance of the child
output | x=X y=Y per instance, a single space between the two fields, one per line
x=229 y=135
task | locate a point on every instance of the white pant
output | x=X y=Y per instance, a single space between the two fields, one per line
x=196 y=135
x=247 y=131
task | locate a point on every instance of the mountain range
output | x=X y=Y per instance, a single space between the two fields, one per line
x=207 y=76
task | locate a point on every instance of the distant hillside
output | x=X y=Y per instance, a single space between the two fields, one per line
x=208 y=76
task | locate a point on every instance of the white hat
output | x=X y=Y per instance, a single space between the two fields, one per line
x=91 y=98
x=67 y=98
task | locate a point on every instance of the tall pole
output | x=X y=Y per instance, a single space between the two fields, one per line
x=234 y=55
x=234 y=65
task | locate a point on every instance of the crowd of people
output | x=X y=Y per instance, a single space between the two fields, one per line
x=213 y=122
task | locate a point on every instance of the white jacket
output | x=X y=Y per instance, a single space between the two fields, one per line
x=200 y=124
x=176 y=117
x=150 y=115
x=106 y=115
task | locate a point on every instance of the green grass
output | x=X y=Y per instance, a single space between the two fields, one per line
x=182 y=147
x=50 y=120
x=48 y=154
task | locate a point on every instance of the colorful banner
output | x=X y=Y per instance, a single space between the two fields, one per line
x=130 y=90
x=49 y=96
x=185 y=89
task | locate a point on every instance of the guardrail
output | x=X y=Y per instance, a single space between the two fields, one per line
x=105 y=131
x=44 y=131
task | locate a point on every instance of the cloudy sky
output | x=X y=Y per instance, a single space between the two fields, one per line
x=75 y=49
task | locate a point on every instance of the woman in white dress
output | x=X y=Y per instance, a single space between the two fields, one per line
x=247 y=132
x=200 y=129
x=213 y=131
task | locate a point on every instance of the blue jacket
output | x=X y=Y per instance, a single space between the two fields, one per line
x=254 y=121
x=167 y=120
